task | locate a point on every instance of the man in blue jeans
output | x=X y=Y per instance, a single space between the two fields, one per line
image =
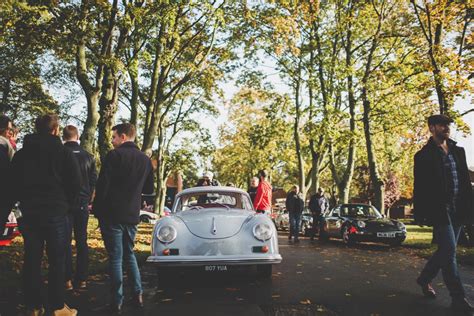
x=126 y=174
x=294 y=204
x=442 y=199
x=45 y=179
x=79 y=215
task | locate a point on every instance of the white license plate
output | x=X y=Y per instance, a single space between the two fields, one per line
x=215 y=268
x=386 y=235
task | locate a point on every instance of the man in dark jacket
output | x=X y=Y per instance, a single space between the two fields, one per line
x=126 y=173
x=442 y=199
x=45 y=179
x=295 y=205
x=79 y=216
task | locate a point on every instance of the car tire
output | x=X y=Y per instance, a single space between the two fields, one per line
x=264 y=271
x=345 y=236
x=145 y=219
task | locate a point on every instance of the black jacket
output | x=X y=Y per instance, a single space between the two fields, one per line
x=45 y=177
x=430 y=194
x=294 y=202
x=4 y=204
x=88 y=172
x=126 y=173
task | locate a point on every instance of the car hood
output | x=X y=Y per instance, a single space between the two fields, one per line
x=215 y=223
x=379 y=224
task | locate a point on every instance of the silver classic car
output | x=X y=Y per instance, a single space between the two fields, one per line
x=213 y=228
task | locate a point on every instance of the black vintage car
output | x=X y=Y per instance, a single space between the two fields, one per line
x=361 y=222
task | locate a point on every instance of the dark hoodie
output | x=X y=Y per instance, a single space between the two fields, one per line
x=45 y=177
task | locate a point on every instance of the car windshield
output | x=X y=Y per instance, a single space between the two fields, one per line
x=359 y=211
x=223 y=200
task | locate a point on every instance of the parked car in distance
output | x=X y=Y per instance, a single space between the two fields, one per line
x=361 y=223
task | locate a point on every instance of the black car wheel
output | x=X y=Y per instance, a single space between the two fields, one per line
x=145 y=219
x=264 y=271
x=346 y=238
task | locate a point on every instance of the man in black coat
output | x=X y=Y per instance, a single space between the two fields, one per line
x=294 y=204
x=442 y=199
x=79 y=216
x=45 y=179
x=126 y=173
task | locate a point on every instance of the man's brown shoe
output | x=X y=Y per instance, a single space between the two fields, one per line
x=68 y=285
x=65 y=311
x=138 y=300
x=427 y=289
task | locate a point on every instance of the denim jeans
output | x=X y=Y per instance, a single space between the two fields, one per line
x=295 y=222
x=119 y=241
x=37 y=232
x=444 y=259
x=78 y=220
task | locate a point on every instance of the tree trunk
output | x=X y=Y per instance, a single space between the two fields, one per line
x=296 y=133
x=134 y=101
x=377 y=182
x=107 y=108
x=90 y=126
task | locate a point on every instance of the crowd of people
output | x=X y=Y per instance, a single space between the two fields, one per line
x=55 y=181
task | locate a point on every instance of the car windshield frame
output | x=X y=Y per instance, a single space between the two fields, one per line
x=213 y=199
x=353 y=212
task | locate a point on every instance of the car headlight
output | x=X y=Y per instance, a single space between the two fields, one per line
x=262 y=232
x=361 y=224
x=166 y=234
x=401 y=226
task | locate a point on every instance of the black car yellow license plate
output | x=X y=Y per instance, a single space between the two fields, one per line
x=215 y=268
x=387 y=235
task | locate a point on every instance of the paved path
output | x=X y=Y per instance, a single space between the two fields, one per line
x=314 y=279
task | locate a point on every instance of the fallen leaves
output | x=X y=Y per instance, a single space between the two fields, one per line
x=305 y=302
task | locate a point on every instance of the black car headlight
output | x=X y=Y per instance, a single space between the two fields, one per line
x=401 y=226
x=262 y=232
x=166 y=234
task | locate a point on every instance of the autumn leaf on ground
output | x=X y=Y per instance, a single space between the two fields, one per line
x=327 y=279
x=348 y=295
x=276 y=296
x=166 y=300
x=305 y=302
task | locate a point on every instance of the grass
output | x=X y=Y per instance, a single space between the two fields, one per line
x=419 y=241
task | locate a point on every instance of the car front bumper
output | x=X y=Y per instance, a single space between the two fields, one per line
x=189 y=261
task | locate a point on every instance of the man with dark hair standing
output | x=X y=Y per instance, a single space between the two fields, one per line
x=45 y=180
x=6 y=155
x=294 y=204
x=126 y=174
x=263 y=198
x=79 y=216
x=442 y=199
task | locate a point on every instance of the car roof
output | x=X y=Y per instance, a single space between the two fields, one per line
x=211 y=189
